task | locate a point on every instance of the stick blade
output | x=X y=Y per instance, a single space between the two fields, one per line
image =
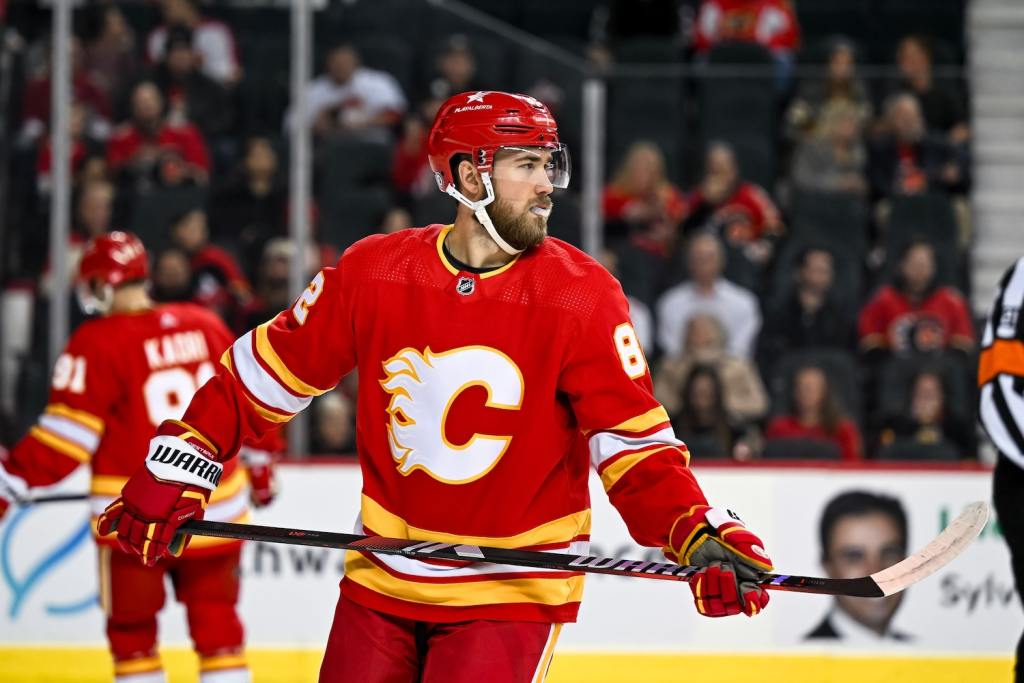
x=953 y=540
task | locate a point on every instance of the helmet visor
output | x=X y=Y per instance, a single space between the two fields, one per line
x=536 y=165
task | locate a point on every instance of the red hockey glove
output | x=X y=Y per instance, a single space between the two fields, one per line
x=172 y=488
x=260 y=467
x=732 y=558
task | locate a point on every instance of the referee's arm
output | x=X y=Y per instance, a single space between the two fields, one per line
x=1001 y=367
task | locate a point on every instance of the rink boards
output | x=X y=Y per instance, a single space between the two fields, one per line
x=961 y=623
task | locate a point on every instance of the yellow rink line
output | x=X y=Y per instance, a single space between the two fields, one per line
x=92 y=665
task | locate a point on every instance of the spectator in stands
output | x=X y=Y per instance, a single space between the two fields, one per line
x=148 y=148
x=905 y=159
x=914 y=313
x=110 y=57
x=218 y=282
x=841 y=85
x=410 y=173
x=743 y=394
x=702 y=421
x=771 y=24
x=190 y=94
x=928 y=419
x=334 y=430
x=396 y=218
x=351 y=99
x=252 y=206
x=456 y=70
x=272 y=294
x=172 y=276
x=86 y=153
x=708 y=292
x=834 y=159
x=213 y=40
x=639 y=312
x=95 y=210
x=811 y=313
x=35 y=110
x=741 y=211
x=815 y=413
x=641 y=201
x=942 y=108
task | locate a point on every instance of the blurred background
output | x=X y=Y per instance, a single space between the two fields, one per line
x=808 y=202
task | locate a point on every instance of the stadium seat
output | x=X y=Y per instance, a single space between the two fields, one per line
x=903 y=449
x=894 y=384
x=646 y=109
x=349 y=214
x=351 y=162
x=550 y=18
x=434 y=207
x=796 y=448
x=847 y=268
x=840 y=366
x=153 y=211
x=837 y=218
x=704 y=447
x=565 y=222
x=648 y=51
x=741 y=108
x=491 y=55
x=928 y=216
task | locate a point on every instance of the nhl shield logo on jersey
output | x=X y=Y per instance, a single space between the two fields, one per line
x=423 y=387
x=465 y=286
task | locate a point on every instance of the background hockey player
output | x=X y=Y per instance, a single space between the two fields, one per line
x=495 y=367
x=1001 y=410
x=122 y=374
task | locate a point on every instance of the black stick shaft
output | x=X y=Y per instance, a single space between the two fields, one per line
x=56 y=498
x=666 y=571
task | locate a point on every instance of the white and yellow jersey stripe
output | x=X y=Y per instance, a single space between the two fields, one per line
x=71 y=432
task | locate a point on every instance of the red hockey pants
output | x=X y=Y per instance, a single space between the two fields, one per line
x=371 y=647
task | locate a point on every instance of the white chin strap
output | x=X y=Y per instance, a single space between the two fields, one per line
x=479 y=209
x=90 y=303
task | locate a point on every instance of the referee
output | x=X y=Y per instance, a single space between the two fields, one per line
x=1001 y=410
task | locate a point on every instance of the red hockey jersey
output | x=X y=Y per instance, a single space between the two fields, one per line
x=483 y=400
x=119 y=377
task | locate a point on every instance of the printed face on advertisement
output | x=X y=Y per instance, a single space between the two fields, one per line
x=861 y=545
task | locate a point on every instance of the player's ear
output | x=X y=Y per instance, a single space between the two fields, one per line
x=469 y=180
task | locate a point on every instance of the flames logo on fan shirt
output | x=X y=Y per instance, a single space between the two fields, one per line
x=423 y=387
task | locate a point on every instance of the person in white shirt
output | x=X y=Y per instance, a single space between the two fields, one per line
x=212 y=40
x=861 y=533
x=353 y=99
x=709 y=293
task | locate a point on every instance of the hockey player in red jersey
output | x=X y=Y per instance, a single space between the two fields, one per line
x=122 y=374
x=496 y=366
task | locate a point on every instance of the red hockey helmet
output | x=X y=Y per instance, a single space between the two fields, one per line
x=109 y=261
x=481 y=123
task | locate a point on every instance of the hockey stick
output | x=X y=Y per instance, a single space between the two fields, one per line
x=55 y=498
x=946 y=546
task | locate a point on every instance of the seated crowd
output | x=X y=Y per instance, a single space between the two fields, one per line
x=768 y=335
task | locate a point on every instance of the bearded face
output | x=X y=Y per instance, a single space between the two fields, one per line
x=521 y=228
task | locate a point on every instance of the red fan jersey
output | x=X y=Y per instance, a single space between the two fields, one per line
x=771 y=23
x=483 y=401
x=119 y=377
x=892 y=321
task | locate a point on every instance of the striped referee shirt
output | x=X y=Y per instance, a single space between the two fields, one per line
x=1001 y=368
